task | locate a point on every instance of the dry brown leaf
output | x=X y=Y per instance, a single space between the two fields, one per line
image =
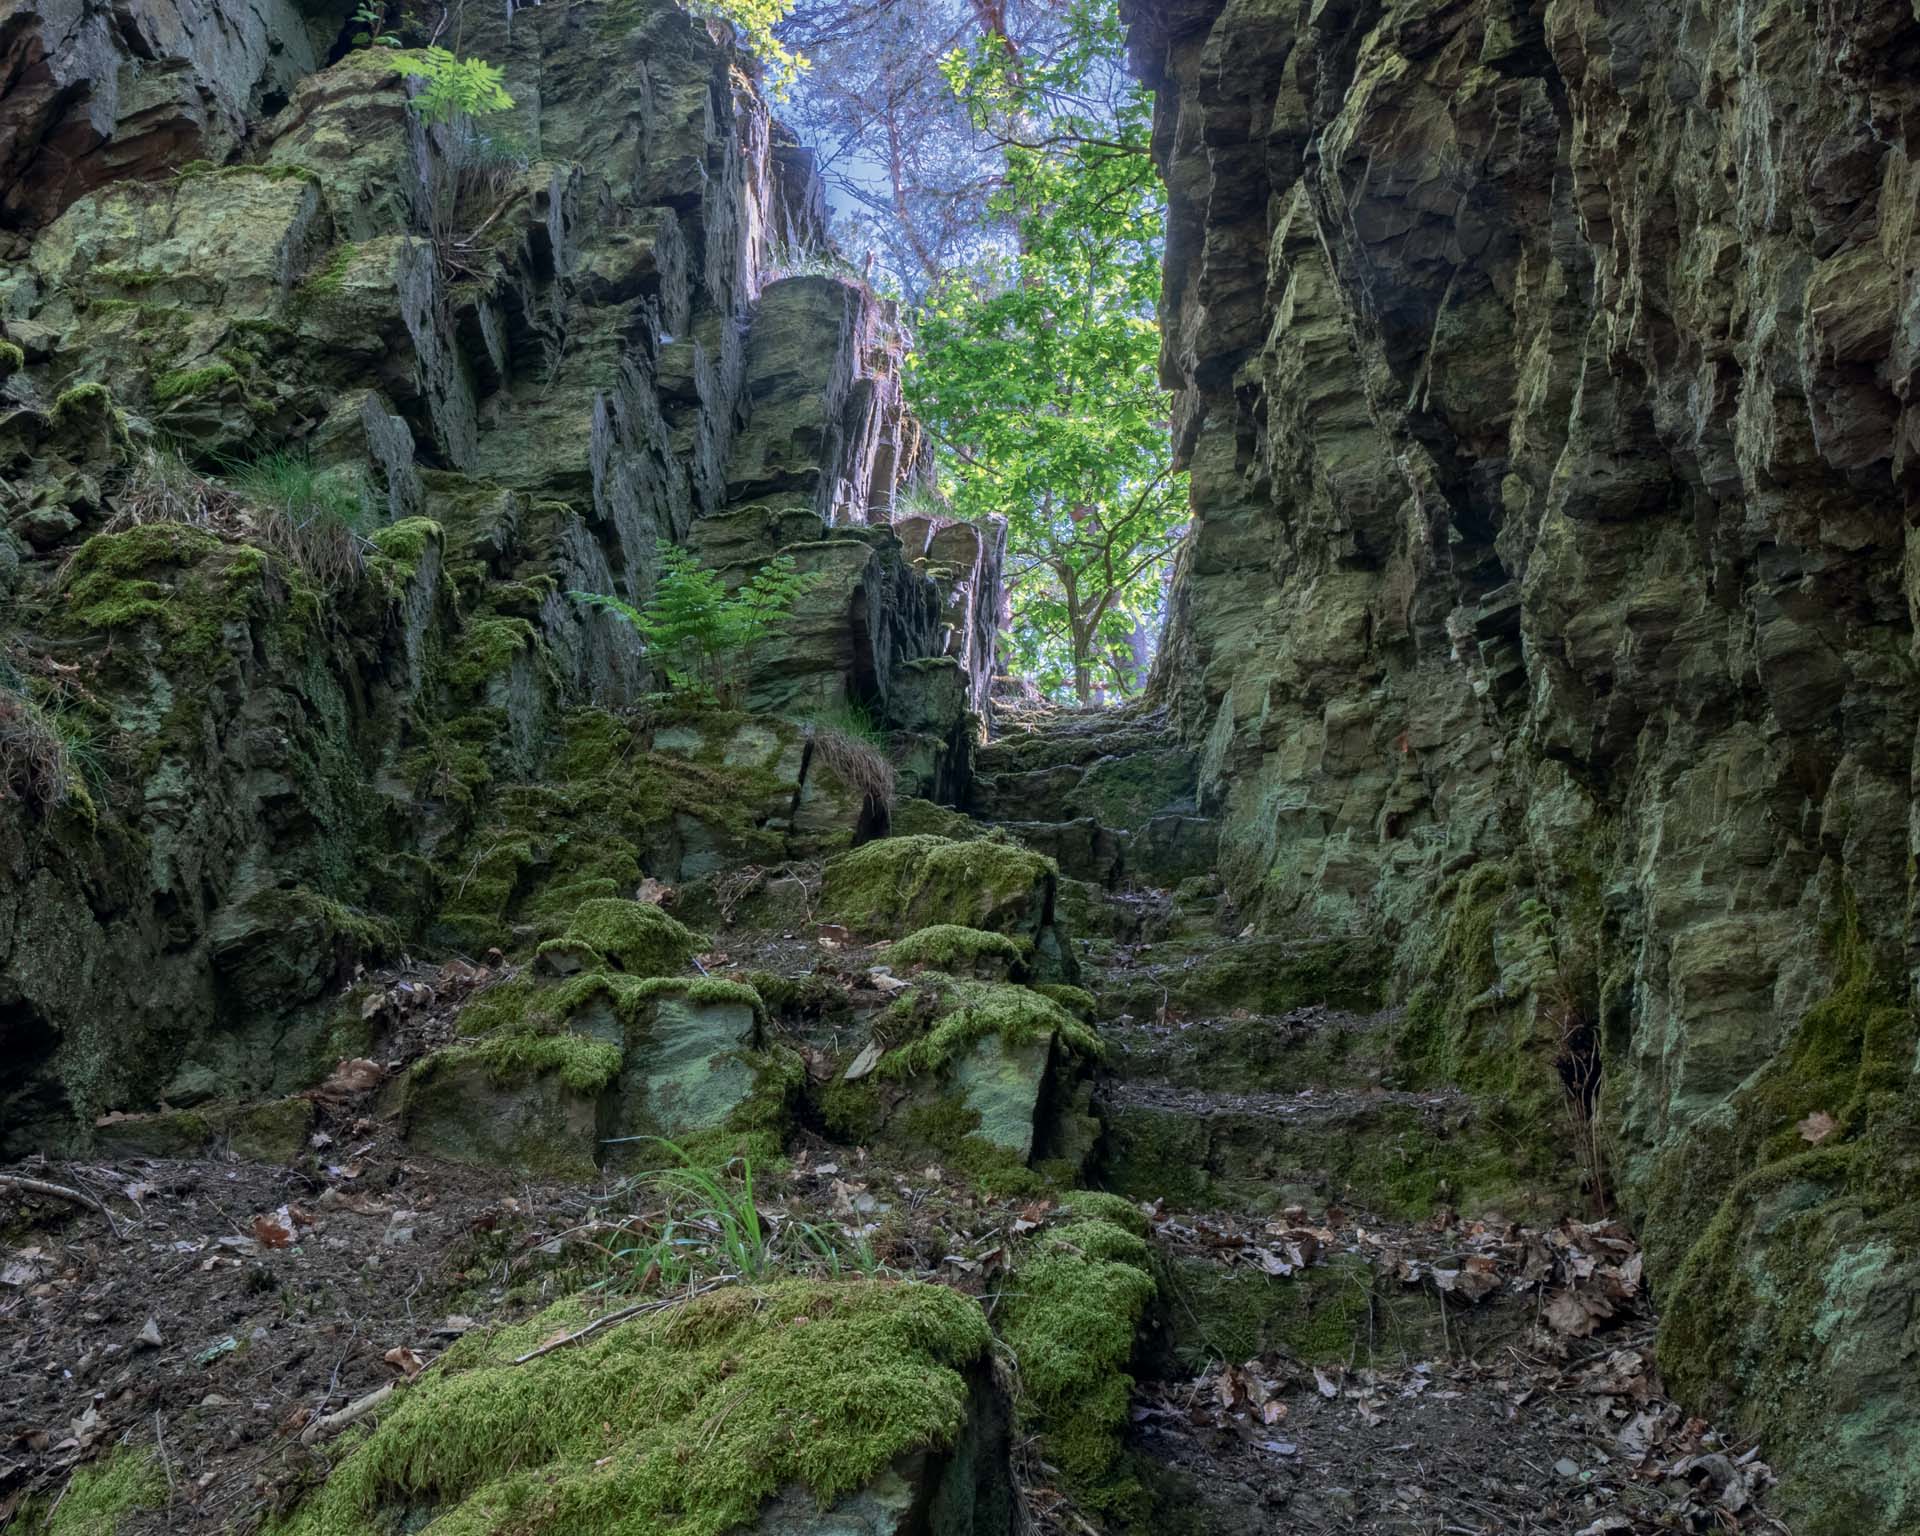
x=354 y=1075
x=274 y=1229
x=1571 y=1314
x=405 y=1361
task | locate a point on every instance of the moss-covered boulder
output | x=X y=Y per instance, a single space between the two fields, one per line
x=635 y=936
x=977 y=1074
x=899 y=884
x=597 y=1067
x=960 y=951
x=1073 y=1305
x=529 y=1102
x=796 y=1407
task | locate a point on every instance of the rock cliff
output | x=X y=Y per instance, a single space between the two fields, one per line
x=1544 y=371
x=243 y=761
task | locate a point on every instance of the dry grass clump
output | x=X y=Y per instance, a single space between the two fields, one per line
x=312 y=518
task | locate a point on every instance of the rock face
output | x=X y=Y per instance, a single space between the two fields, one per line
x=241 y=760
x=1544 y=374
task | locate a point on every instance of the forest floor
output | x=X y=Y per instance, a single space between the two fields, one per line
x=230 y=1307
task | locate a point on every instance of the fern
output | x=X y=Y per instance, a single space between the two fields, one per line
x=456 y=89
x=704 y=635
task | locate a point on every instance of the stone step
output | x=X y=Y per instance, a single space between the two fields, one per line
x=1208 y=974
x=1121 y=789
x=1308 y=1047
x=1390 y=1153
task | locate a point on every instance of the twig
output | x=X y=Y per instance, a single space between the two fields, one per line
x=359 y=1408
x=620 y=1317
x=166 y=1462
x=60 y=1192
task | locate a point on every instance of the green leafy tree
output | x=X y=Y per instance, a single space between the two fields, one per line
x=1036 y=367
x=703 y=634
x=756 y=20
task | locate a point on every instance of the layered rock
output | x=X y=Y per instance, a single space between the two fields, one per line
x=1548 y=616
x=525 y=373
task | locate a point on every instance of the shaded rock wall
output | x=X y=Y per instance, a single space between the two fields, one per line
x=1545 y=374
x=527 y=374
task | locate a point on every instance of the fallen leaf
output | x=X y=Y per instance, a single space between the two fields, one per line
x=1327 y=1385
x=353 y=1075
x=1571 y=1314
x=275 y=1229
x=405 y=1361
x=865 y=1062
x=1817 y=1127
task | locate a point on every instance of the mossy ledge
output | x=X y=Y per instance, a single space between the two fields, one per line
x=683 y=1423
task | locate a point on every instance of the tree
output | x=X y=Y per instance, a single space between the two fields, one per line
x=1036 y=366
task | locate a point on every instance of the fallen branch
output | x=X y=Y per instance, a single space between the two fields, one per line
x=359 y=1408
x=60 y=1192
x=620 y=1317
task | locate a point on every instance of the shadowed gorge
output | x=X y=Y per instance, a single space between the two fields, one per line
x=553 y=979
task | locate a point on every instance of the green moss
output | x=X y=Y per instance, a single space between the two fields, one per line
x=74 y=405
x=487 y=649
x=899 y=884
x=114 y=580
x=330 y=278
x=528 y=1006
x=1781 y=1311
x=635 y=935
x=101 y=1492
x=182 y=384
x=1069 y=1317
x=969 y=1011
x=1116 y=1210
x=1076 y=1000
x=950 y=947
x=12 y=359
x=678 y=1424
x=945 y=1129
x=912 y=817
x=584 y=1065
x=399 y=548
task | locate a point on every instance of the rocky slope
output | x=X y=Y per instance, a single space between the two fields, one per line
x=239 y=768
x=1544 y=373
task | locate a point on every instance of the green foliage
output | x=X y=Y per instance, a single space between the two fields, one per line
x=703 y=634
x=105 y=1491
x=756 y=20
x=1036 y=369
x=677 y=1423
x=705 y=1223
x=294 y=486
x=370 y=18
x=454 y=88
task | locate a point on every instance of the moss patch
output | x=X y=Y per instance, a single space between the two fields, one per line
x=899 y=884
x=950 y=947
x=679 y=1424
x=103 y=1491
x=969 y=1011
x=1070 y=1315
x=635 y=935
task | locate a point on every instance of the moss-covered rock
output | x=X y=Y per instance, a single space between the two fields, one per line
x=960 y=951
x=1072 y=1308
x=689 y=1421
x=636 y=936
x=900 y=884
